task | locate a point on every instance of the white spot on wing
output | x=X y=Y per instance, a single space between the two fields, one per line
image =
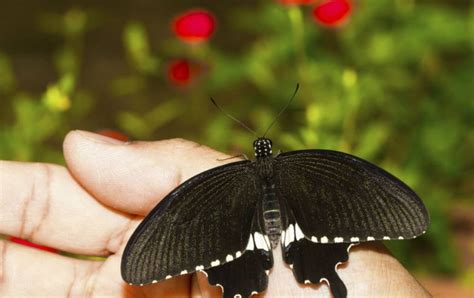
x=237 y=296
x=386 y=238
x=307 y=282
x=351 y=245
x=339 y=263
x=267 y=240
x=154 y=281
x=370 y=238
x=267 y=272
x=199 y=268
x=215 y=263
x=298 y=233
x=238 y=254
x=325 y=280
x=168 y=276
x=250 y=245
x=260 y=241
x=314 y=239
x=354 y=239
x=184 y=272
x=282 y=239
x=290 y=235
x=229 y=258
x=324 y=239
x=338 y=239
x=400 y=238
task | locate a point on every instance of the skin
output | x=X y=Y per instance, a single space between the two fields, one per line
x=93 y=206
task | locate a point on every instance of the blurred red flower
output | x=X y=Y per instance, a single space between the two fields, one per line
x=295 y=2
x=113 y=134
x=30 y=244
x=183 y=72
x=332 y=12
x=179 y=71
x=194 y=25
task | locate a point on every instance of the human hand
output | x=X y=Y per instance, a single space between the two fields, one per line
x=93 y=208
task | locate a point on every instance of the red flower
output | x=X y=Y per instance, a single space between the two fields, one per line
x=194 y=25
x=332 y=12
x=183 y=72
x=295 y=2
x=30 y=244
x=113 y=134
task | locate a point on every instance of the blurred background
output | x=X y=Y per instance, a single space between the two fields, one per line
x=388 y=80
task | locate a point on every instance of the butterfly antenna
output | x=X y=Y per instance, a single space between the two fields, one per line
x=233 y=118
x=282 y=110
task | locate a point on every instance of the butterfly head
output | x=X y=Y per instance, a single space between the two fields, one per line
x=262 y=147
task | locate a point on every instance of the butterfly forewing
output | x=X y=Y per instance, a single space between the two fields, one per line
x=201 y=224
x=336 y=197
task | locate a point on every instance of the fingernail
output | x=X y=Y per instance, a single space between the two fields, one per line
x=97 y=138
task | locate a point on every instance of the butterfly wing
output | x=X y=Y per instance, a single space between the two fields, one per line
x=205 y=222
x=332 y=200
x=339 y=198
x=313 y=262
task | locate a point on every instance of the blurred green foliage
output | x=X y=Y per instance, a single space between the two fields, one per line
x=393 y=85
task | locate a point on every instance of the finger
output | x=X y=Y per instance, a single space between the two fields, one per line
x=43 y=204
x=282 y=282
x=373 y=272
x=133 y=177
x=26 y=272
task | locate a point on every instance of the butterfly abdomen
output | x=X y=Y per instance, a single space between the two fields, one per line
x=271 y=214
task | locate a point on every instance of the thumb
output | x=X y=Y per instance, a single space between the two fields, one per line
x=133 y=177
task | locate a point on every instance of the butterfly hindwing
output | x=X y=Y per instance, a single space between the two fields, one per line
x=248 y=274
x=339 y=198
x=201 y=224
x=313 y=262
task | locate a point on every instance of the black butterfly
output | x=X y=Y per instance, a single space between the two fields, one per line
x=314 y=203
